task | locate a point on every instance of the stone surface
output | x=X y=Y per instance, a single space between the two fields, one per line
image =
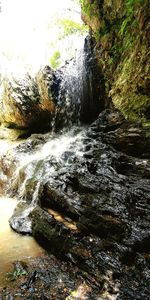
x=93 y=210
x=28 y=103
x=93 y=97
x=54 y=99
x=121 y=30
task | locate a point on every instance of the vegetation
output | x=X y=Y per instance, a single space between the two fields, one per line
x=68 y=27
x=55 y=60
x=71 y=27
x=89 y=8
x=20 y=269
x=121 y=33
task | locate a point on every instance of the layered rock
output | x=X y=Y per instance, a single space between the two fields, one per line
x=91 y=206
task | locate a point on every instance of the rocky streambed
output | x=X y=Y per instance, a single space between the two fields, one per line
x=87 y=204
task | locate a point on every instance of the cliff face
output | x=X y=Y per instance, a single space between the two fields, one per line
x=122 y=33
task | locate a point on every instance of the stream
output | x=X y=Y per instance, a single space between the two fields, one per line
x=14 y=246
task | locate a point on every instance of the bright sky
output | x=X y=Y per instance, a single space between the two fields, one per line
x=28 y=31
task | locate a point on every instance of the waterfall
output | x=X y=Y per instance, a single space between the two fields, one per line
x=81 y=90
x=47 y=100
x=71 y=89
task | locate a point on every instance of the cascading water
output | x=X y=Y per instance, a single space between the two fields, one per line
x=26 y=166
x=81 y=89
x=37 y=161
x=71 y=88
x=36 y=167
x=34 y=98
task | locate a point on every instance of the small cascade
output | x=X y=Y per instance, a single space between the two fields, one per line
x=36 y=193
x=71 y=88
x=32 y=164
x=81 y=91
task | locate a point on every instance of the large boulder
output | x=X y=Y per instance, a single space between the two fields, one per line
x=29 y=103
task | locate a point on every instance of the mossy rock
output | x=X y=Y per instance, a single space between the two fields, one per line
x=121 y=30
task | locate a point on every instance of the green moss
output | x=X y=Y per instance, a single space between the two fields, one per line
x=130 y=5
x=120 y=29
x=90 y=15
x=133 y=106
x=89 y=9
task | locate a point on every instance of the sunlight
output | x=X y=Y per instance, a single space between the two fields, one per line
x=29 y=33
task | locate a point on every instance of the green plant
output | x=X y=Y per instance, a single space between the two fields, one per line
x=89 y=9
x=20 y=269
x=124 y=25
x=110 y=61
x=55 y=59
x=130 y=4
x=71 y=27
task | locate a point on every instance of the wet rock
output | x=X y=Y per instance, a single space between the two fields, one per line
x=28 y=103
x=93 y=210
x=71 y=245
x=59 y=201
x=93 y=99
x=20 y=220
x=113 y=190
x=136 y=280
x=105 y=226
x=49 y=233
x=133 y=141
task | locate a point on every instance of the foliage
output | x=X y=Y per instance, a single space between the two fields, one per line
x=130 y=5
x=124 y=25
x=71 y=27
x=20 y=269
x=89 y=9
x=55 y=59
x=124 y=37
